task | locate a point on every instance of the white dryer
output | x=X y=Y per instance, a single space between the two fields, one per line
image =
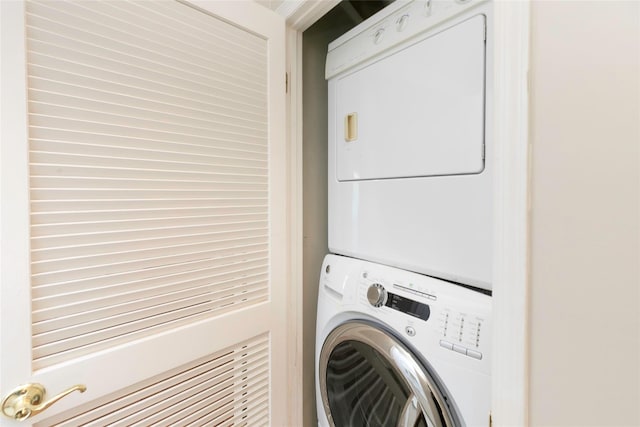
x=395 y=348
x=410 y=172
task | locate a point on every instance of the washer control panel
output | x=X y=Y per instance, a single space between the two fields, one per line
x=446 y=321
x=461 y=332
x=378 y=296
x=408 y=306
x=457 y=318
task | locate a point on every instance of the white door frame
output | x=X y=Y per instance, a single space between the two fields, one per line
x=511 y=214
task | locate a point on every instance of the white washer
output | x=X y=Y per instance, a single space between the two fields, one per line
x=410 y=153
x=395 y=348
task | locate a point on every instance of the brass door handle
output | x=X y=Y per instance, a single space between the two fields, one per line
x=28 y=400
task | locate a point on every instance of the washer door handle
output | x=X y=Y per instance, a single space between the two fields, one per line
x=410 y=413
x=420 y=387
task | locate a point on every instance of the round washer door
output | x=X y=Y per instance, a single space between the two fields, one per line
x=369 y=378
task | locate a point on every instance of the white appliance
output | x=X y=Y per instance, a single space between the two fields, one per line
x=410 y=171
x=399 y=348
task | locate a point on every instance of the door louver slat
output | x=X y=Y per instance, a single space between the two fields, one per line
x=81 y=50
x=113 y=216
x=129 y=171
x=112 y=225
x=71 y=326
x=67 y=257
x=111 y=290
x=151 y=259
x=149 y=172
x=68 y=147
x=132 y=238
x=57 y=351
x=189 y=31
x=119 y=39
x=154 y=145
x=84 y=206
x=227 y=388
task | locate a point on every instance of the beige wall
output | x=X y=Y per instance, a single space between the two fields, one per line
x=271 y=4
x=314 y=153
x=314 y=203
x=585 y=302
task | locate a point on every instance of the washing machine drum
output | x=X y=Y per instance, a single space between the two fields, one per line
x=369 y=378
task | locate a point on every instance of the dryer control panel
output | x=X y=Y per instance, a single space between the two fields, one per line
x=390 y=27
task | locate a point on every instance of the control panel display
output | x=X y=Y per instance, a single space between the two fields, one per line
x=408 y=306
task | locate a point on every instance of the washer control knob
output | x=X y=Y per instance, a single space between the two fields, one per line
x=376 y=295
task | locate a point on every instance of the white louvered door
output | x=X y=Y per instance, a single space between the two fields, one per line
x=143 y=224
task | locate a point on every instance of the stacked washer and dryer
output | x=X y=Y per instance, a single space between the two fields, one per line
x=404 y=305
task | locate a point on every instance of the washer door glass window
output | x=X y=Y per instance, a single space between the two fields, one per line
x=368 y=378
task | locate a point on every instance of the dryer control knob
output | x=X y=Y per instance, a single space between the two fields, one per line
x=376 y=295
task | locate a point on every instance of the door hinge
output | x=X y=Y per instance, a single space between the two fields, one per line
x=286 y=82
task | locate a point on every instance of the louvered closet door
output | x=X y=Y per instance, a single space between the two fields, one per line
x=144 y=211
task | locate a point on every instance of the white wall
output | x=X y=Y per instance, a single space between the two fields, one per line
x=585 y=302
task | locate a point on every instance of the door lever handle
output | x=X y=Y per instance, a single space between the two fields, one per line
x=28 y=400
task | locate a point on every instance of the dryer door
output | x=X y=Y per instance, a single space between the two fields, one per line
x=369 y=378
x=417 y=112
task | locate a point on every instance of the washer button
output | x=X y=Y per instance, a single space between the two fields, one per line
x=446 y=344
x=410 y=331
x=459 y=349
x=474 y=354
